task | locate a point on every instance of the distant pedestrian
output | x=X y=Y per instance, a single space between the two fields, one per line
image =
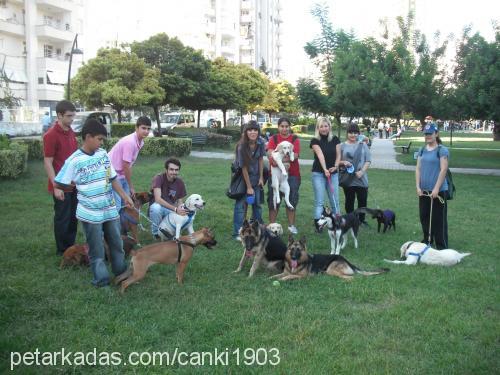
x=46 y=122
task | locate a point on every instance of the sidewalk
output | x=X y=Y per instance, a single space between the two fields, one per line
x=383 y=157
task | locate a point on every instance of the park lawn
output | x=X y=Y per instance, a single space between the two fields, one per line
x=412 y=320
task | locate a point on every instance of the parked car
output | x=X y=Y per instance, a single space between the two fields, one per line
x=105 y=118
x=169 y=121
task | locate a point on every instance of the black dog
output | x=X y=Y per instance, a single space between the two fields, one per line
x=386 y=217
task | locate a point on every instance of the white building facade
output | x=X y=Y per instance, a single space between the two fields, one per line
x=36 y=37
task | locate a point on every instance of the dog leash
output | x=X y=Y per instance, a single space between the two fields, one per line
x=330 y=186
x=441 y=200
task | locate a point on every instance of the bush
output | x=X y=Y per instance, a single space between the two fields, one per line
x=297 y=129
x=35 y=148
x=269 y=128
x=218 y=140
x=107 y=144
x=233 y=131
x=4 y=142
x=13 y=160
x=122 y=129
x=165 y=147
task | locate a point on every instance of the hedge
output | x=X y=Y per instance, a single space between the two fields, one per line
x=233 y=131
x=35 y=147
x=122 y=129
x=166 y=146
x=13 y=161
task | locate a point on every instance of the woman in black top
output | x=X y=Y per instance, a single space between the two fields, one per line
x=326 y=147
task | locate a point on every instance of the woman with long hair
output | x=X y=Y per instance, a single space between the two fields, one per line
x=432 y=187
x=249 y=156
x=326 y=148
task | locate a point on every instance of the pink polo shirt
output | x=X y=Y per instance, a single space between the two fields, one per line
x=127 y=150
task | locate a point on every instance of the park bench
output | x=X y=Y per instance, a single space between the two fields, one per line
x=405 y=149
x=199 y=140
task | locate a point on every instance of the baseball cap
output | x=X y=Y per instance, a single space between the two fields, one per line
x=252 y=124
x=428 y=117
x=430 y=129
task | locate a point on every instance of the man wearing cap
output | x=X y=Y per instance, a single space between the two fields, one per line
x=431 y=184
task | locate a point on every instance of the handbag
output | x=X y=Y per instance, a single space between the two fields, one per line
x=237 y=187
x=345 y=178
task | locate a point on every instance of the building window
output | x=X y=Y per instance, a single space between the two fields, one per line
x=48 y=20
x=40 y=80
x=48 y=50
x=25 y=51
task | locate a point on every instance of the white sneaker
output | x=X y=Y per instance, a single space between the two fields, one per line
x=237 y=238
x=292 y=229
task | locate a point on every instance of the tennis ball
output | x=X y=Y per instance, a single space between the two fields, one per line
x=276 y=283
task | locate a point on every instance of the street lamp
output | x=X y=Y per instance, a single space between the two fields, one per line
x=74 y=51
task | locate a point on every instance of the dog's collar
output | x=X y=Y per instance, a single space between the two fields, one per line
x=421 y=254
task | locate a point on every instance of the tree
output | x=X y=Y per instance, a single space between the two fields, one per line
x=7 y=99
x=310 y=97
x=263 y=67
x=183 y=71
x=118 y=79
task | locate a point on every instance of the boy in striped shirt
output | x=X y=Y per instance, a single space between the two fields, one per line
x=89 y=169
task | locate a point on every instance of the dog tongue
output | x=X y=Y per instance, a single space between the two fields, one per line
x=294 y=264
x=248 y=253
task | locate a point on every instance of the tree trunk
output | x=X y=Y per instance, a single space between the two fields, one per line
x=496 y=131
x=224 y=117
x=199 y=115
x=337 y=118
x=156 y=110
x=119 y=112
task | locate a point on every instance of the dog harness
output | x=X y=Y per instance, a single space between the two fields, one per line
x=190 y=216
x=421 y=254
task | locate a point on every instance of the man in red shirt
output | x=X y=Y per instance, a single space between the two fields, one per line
x=293 y=173
x=58 y=144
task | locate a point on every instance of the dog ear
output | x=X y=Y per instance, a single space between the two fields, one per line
x=290 y=239
x=245 y=223
x=327 y=211
x=303 y=240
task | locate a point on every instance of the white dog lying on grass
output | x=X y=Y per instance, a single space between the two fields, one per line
x=416 y=252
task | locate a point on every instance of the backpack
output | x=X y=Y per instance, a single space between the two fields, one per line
x=449 y=178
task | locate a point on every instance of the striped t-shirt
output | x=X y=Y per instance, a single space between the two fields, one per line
x=92 y=175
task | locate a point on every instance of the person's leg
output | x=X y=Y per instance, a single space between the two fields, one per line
x=294 y=183
x=362 y=197
x=65 y=223
x=156 y=214
x=332 y=188
x=113 y=238
x=273 y=213
x=318 y=183
x=256 y=207
x=438 y=224
x=118 y=200
x=424 y=208
x=238 y=215
x=349 y=195
x=95 y=242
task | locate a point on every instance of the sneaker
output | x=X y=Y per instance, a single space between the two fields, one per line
x=292 y=229
x=237 y=238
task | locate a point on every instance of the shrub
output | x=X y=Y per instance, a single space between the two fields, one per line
x=296 y=129
x=218 y=140
x=13 y=160
x=107 y=144
x=165 y=147
x=233 y=131
x=4 y=142
x=122 y=129
x=35 y=148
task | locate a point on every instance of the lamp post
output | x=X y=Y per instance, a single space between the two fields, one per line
x=74 y=51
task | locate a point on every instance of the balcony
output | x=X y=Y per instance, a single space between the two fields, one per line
x=11 y=27
x=246 y=5
x=227 y=50
x=245 y=19
x=58 y=64
x=56 y=6
x=52 y=33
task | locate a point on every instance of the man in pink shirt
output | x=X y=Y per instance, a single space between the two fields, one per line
x=124 y=154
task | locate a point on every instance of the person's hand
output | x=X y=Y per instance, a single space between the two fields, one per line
x=180 y=210
x=347 y=164
x=332 y=169
x=132 y=191
x=250 y=191
x=58 y=194
x=128 y=201
x=272 y=163
x=261 y=182
x=434 y=193
x=326 y=172
x=419 y=192
x=359 y=174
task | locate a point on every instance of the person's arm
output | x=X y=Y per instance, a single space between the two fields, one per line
x=118 y=188
x=49 y=169
x=261 y=171
x=417 y=177
x=127 y=172
x=246 y=177
x=363 y=169
x=337 y=157
x=443 y=166
x=321 y=158
x=270 y=148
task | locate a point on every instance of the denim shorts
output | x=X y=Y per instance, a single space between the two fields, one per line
x=294 y=182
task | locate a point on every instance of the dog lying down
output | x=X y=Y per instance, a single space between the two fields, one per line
x=172 y=225
x=417 y=252
x=299 y=264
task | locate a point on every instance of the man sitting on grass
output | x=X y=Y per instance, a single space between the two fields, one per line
x=90 y=169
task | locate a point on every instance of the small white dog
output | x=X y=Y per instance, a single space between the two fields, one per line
x=275 y=229
x=416 y=252
x=173 y=223
x=279 y=173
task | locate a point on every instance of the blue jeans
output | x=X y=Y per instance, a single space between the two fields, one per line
x=320 y=184
x=118 y=200
x=94 y=234
x=239 y=210
x=156 y=213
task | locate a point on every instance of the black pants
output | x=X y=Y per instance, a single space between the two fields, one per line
x=439 y=230
x=65 y=223
x=353 y=192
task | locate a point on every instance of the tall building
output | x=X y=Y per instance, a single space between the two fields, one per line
x=36 y=38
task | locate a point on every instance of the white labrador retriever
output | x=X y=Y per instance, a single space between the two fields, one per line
x=416 y=252
x=279 y=173
x=173 y=223
x=276 y=229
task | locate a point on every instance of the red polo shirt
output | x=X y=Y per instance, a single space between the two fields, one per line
x=58 y=144
x=294 y=165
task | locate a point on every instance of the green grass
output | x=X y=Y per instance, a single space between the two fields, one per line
x=413 y=320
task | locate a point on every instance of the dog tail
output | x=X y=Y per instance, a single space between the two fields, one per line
x=371 y=273
x=366 y=210
x=463 y=255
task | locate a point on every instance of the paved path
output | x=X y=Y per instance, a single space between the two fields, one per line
x=383 y=157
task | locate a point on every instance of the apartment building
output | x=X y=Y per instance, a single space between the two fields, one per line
x=36 y=37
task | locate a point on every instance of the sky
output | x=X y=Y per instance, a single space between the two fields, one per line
x=133 y=20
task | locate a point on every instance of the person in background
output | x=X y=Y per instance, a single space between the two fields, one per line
x=46 y=122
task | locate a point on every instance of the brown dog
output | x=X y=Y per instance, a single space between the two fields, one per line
x=168 y=252
x=76 y=255
x=130 y=217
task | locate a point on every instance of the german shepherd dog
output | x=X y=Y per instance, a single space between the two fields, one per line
x=385 y=217
x=299 y=264
x=266 y=248
x=338 y=226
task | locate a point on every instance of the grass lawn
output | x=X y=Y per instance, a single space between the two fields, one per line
x=469 y=150
x=412 y=320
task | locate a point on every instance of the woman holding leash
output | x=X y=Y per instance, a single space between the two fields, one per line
x=430 y=176
x=326 y=148
x=356 y=157
x=249 y=156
